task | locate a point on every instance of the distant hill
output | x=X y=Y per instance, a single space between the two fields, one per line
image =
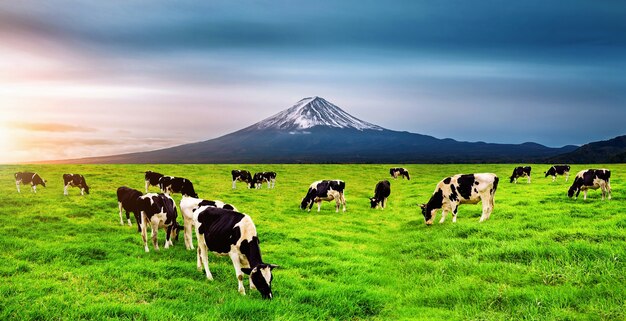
x=317 y=131
x=606 y=151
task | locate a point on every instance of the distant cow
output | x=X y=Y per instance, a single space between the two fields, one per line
x=461 y=189
x=241 y=176
x=403 y=172
x=152 y=179
x=591 y=179
x=158 y=210
x=129 y=200
x=381 y=192
x=170 y=184
x=326 y=190
x=75 y=180
x=190 y=204
x=260 y=178
x=231 y=233
x=558 y=170
x=29 y=178
x=520 y=172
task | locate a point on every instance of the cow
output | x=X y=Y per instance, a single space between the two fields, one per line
x=158 y=210
x=397 y=171
x=187 y=206
x=29 y=178
x=129 y=200
x=259 y=178
x=461 y=189
x=591 y=179
x=326 y=190
x=75 y=180
x=242 y=176
x=152 y=179
x=381 y=192
x=558 y=170
x=170 y=184
x=520 y=172
x=226 y=232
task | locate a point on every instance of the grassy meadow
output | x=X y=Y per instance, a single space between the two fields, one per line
x=541 y=256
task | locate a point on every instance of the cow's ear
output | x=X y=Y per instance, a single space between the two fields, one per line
x=247 y=271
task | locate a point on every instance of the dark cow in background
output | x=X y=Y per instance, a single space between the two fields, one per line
x=190 y=204
x=152 y=179
x=75 y=180
x=158 y=210
x=231 y=233
x=129 y=200
x=461 y=189
x=397 y=171
x=260 y=178
x=520 y=171
x=29 y=178
x=381 y=192
x=170 y=184
x=558 y=170
x=591 y=179
x=326 y=190
x=241 y=176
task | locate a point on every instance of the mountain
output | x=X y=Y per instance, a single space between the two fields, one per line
x=316 y=131
x=606 y=151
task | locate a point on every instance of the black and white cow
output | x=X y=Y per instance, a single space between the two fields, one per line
x=260 y=178
x=241 y=176
x=461 y=189
x=558 y=170
x=381 y=192
x=591 y=179
x=158 y=210
x=152 y=179
x=75 y=180
x=397 y=171
x=170 y=184
x=29 y=178
x=188 y=205
x=129 y=200
x=326 y=190
x=520 y=171
x=231 y=233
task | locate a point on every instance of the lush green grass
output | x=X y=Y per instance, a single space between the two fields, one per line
x=540 y=256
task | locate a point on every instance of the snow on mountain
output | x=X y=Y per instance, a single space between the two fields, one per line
x=310 y=112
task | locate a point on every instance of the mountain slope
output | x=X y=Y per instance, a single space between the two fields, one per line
x=606 y=151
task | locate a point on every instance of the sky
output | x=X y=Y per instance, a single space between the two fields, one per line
x=93 y=78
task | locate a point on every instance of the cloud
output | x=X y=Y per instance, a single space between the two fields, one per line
x=50 y=127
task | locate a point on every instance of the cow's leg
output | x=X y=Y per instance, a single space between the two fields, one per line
x=147 y=185
x=343 y=201
x=554 y=178
x=168 y=239
x=528 y=179
x=188 y=234
x=384 y=202
x=34 y=188
x=608 y=188
x=319 y=206
x=337 y=204
x=585 y=194
x=65 y=190
x=203 y=255
x=17 y=184
x=237 y=265
x=144 y=230
x=119 y=205
x=154 y=229
x=567 y=177
x=455 y=210
x=234 y=184
x=444 y=212
x=137 y=219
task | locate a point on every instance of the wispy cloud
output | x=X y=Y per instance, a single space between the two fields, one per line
x=50 y=127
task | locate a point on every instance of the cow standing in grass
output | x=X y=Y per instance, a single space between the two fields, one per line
x=558 y=170
x=152 y=179
x=170 y=184
x=190 y=204
x=158 y=210
x=129 y=200
x=29 y=178
x=381 y=193
x=241 y=176
x=75 y=180
x=231 y=233
x=520 y=171
x=398 y=171
x=461 y=189
x=591 y=179
x=260 y=178
x=326 y=190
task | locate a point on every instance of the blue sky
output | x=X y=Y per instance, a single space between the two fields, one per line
x=101 y=78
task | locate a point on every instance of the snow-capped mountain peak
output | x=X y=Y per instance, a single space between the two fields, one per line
x=313 y=111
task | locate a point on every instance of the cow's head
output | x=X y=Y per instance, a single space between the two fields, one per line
x=572 y=190
x=512 y=178
x=306 y=202
x=374 y=202
x=428 y=214
x=86 y=188
x=261 y=277
x=176 y=228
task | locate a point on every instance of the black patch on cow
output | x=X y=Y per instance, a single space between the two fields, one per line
x=435 y=202
x=453 y=194
x=465 y=183
x=218 y=228
x=228 y=207
x=207 y=203
x=447 y=180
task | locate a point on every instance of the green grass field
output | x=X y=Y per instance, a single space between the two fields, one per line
x=541 y=256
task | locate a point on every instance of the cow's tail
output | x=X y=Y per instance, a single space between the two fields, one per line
x=495 y=185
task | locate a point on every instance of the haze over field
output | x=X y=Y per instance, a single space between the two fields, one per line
x=80 y=79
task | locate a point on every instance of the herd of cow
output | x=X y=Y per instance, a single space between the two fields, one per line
x=222 y=229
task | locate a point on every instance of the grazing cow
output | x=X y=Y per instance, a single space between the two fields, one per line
x=259 y=178
x=397 y=171
x=558 y=170
x=226 y=232
x=520 y=172
x=29 y=178
x=152 y=179
x=461 y=189
x=381 y=192
x=591 y=179
x=158 y=210
x=129 y=200
x=188 y=205
x=326 y=190
x=75 y=180
x=242 y=176
x=170 y=184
